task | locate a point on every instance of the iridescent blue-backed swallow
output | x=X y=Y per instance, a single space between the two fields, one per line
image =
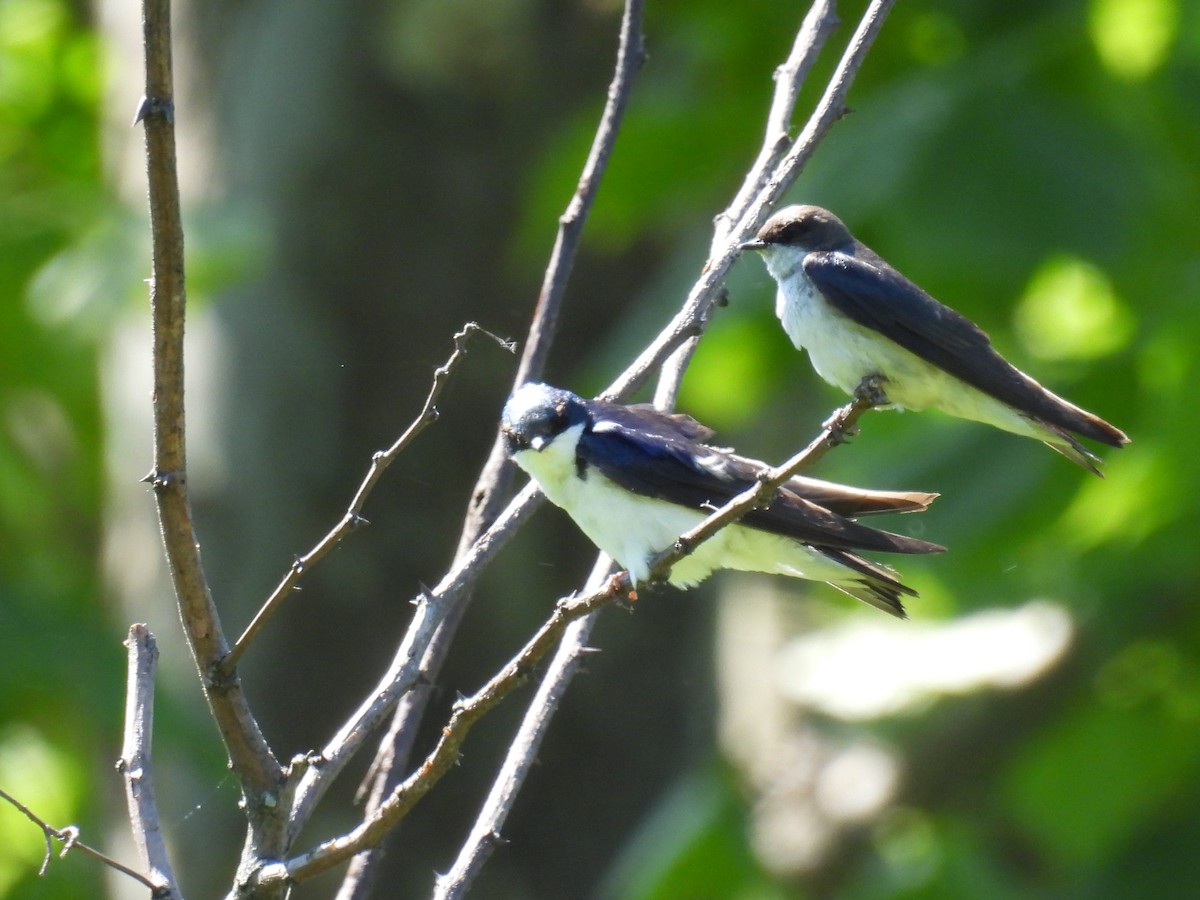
x=860 y=319
x=634 y=479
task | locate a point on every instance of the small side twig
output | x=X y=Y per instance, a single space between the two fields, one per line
x=834 y=432
x=69 y=837
x=353 y=517
x=134 y=764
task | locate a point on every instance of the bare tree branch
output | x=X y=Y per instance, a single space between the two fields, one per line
x=692 y=319
x=353 y=517
x=134 y=764
x=495 y=476
x=522 y=752
x=250 y=756
x=405 y=670
x=69 y=837
x=441 y=759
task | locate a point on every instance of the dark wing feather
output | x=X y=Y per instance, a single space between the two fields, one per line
x=668 y=466
x=876 y=296
x=646 y=415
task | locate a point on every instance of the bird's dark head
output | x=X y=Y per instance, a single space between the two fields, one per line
x=537 y=413
x=805 y=228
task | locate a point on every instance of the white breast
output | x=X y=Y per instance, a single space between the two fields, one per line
x=628 y=527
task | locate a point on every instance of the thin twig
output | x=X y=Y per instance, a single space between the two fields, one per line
x=631 y=55
x=441 y=759
x=134 y=764
x=353 y=517
x=495 y=476
x=250 y=756
x=522 y=751
x=69 y=837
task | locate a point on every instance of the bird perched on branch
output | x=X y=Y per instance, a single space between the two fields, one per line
x=868 y=328
x=634 y=479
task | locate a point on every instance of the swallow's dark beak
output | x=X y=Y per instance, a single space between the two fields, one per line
x=752 y=244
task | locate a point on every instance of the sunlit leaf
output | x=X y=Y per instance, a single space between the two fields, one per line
x=1133 y=37
x=1070 y=311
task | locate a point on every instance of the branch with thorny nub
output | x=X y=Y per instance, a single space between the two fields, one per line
x=253 y=763
x=353 y=517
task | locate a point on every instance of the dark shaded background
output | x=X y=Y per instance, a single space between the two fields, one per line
x=362 y=178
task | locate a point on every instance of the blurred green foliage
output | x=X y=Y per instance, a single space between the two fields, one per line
x=1033 y=165
x=60 y=690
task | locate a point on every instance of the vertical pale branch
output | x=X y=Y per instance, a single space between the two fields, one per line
x=494 y=478
x=250 y=757
x=135 y=762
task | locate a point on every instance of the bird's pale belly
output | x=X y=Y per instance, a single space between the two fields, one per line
x=844 y=353
x=631 y=529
